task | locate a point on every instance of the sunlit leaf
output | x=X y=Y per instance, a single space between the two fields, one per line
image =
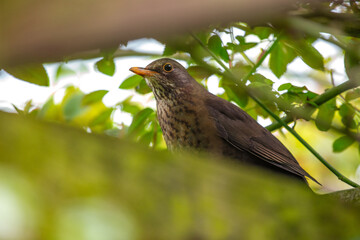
x=131 y=82
x=106 y=66
x=93 y=97
x=63 y=71
x=32 y=73
x=310 y=55
x=102 y=117
x=342 y=143
x=353 y=94
x=280 y=57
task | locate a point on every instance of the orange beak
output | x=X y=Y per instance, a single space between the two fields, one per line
x=142 y=71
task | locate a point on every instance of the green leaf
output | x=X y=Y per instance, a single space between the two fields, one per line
x=352 y=94
x=351 y=60
x=263 y=32
x=310 y=55
x=48 y=109
x=106 y=66
x=72 y=106
x=199 y=72
x=278 y=60
x=142 y=88
x=18 y=110
x=325 y=115
x=342 y=143
x=102 y=117
x=224 y=55
x=130 y=107
x=346 y=110
x=215 y=44
x=169 y=50
x=93 y=97
x=237 y=94
x=139 y=120
x=241 y=47
x=131 y=82
x=284 y=86
x=32 y=73
x=63 y=71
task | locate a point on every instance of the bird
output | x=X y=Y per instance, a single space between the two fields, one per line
x=192 y=118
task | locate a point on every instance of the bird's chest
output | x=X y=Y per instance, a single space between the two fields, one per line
x=183 y=125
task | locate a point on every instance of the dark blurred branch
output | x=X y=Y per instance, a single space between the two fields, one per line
x=42 y=31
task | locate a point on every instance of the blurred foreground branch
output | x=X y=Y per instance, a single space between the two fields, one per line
x=155 y=195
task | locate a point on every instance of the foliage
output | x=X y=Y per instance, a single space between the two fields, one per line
x=223 y=52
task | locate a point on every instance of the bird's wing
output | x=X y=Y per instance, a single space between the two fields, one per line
x=243 y=132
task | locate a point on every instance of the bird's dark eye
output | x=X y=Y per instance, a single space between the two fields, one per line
x=168 y=67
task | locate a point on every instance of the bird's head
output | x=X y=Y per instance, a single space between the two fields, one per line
x=165 y=77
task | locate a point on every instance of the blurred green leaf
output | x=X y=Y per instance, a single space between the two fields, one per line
x=169 y=50
x=199 y=72
x=342 y=143
x=102 y=117
x=130 y=107
x=325 y=115
x=284 y=86
x=131 y=82
x=63 y=71
x=18 y=110
x=215 y=45
x=139 y=120
x=346 y=110
x=72 y=106
x=106 y=66
x=351 y=61
x=310 y=55
x=241 y=47
x=352 y=94
x=224 y=55
x=32 y=73
x=93 y=97
x=48 y=110
x=262 y=32
x=142 y=88
x=237 y=94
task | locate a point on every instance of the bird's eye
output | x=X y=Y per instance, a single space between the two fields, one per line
x=168 y=67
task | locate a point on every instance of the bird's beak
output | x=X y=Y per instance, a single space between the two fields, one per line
x=142 y=71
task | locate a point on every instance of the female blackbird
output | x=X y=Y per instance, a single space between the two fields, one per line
x=191 y=117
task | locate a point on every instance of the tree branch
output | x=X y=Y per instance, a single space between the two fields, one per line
x=319 y=100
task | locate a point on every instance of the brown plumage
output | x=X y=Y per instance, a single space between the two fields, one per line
x=191 y=117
